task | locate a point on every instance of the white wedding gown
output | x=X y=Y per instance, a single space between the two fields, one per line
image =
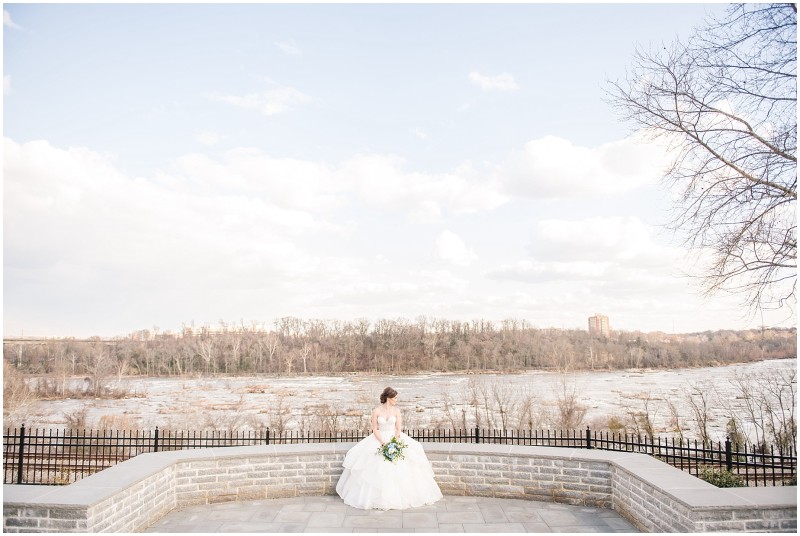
x=370 y=481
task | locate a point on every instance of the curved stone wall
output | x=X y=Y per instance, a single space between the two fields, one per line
x=654 y=496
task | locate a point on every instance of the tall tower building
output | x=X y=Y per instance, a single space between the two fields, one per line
x=598 y=325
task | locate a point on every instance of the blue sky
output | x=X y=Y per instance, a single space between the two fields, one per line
x=179 y=163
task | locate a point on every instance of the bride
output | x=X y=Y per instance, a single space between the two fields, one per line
x=371 y=481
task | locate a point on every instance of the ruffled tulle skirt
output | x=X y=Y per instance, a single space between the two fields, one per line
x=369 y=481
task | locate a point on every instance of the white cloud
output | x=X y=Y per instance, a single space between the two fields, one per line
x=618 y=239
x=501 y=82
x=6 y=84
x=8 y=23
x=606 y=256
x=181 y=230
x=419 y=133
x=207 y=138
x=288 y=183
x=380 y=294
x=244 y=227
x=380 y=180
x=466 y=105
x=289 y=47
x=543 y=272
x=269 y=103
x=451 y=248
x=552 y=167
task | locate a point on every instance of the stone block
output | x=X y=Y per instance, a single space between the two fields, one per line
x=454 y=491
x=715 y=515
x=478 y=489
x=722 y=526
x=28 y=512
x=762 y=525
x=516 y=491
x=283 y=474
x=231 y=462
x=26 y=522
x=496 y=481
x=549 y=471
x=276 y=492
x=581 y=473
x=464 y=472
x=251 y=493
x=68 y=513
x=193 y=497
x=596 y=481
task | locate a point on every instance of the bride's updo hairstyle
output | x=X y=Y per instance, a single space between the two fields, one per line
x=387 y=393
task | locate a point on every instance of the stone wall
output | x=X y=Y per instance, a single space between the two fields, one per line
x=659 y=498
x=470 y=470
x=654 y=496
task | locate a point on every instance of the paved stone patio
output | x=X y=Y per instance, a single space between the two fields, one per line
x=451 y=514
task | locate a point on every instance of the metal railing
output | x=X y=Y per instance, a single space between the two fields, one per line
x=58 y=457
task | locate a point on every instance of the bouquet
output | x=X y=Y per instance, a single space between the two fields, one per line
x=392 y=451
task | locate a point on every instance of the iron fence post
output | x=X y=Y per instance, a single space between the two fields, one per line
x=155 y=441
x=728 y=455
x=588 y=438
x=21 y=453
x=477 y=435
x=267 y=437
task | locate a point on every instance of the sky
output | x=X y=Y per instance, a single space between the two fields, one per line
x=185 y=164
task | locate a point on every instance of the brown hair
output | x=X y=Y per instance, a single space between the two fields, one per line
x=387 y=393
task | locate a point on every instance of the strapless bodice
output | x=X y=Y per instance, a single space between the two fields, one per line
x=386 y=425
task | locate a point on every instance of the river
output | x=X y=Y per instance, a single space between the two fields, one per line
x=309 y=402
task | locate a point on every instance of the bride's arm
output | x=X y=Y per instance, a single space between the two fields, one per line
x=375 y=431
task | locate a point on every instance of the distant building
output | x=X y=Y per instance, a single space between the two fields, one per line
x=598 y=325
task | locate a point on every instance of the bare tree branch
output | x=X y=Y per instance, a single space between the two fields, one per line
x=725 y=105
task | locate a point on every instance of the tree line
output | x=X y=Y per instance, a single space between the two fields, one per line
x=294 y=346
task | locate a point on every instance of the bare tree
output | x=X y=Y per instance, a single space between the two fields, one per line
x=700 y=404
x=451 y=415
x=506 y=401
x=769 y=400
x=642 y=418
x=279 y=415
x=569 y=411
x=207 y=352
x=98 y=367
x=675 y=422
x=779 y=392
x=725 y=105
x=17 y=395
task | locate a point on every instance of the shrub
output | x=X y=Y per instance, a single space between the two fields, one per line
x=722 y=478
x=17 y=396
x=78 y=419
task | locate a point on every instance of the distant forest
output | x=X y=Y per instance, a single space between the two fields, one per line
x=295 y=346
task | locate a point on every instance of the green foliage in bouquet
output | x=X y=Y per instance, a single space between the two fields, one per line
x=393 y=451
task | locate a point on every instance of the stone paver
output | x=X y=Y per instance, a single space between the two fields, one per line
x=451 y=514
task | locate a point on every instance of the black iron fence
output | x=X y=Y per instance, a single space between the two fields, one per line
x=57 y=457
